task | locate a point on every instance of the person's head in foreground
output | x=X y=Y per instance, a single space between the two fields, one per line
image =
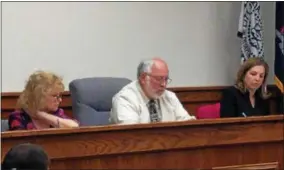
x=252 y=76
x=26 y=157
x=153 y=76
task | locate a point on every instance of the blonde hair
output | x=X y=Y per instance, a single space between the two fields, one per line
x=246 y=66
x=37 y=87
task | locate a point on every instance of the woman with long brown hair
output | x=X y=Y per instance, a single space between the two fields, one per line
x=248 y=97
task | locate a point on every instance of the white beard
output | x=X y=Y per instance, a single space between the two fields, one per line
x=150 y=91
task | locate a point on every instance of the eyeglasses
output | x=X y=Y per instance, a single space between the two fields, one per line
x=57 y=96
x=161 y=79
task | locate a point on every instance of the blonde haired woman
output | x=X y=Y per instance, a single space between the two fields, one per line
x=38 y=104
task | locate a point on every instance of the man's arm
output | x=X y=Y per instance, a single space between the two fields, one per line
x=123 y=111
x=180 y=112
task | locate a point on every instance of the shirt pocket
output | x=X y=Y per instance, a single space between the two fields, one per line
x=167 y=111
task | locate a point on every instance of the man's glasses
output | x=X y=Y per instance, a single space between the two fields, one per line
x=161 y=79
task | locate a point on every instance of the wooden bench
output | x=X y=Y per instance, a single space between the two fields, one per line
x=199 y=144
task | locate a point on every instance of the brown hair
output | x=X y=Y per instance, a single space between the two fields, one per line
x=38 y=85
x=246 y=66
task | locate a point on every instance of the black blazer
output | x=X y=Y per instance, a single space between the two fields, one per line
x=234 y=103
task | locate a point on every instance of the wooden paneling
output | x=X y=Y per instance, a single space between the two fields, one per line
x=200 y=144
x=190 y=97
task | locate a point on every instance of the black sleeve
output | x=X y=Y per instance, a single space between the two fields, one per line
x=228 y=104
x=266 y=105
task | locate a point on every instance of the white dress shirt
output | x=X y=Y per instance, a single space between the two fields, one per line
x=129 y=106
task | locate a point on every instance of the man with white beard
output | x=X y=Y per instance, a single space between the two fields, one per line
x=146 y=100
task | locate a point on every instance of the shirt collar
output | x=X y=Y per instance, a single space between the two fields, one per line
x=144 y=97
x=257 y=93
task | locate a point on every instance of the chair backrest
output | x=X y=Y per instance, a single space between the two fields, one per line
x=92 y=98
x=209 y=111
x=4 y=125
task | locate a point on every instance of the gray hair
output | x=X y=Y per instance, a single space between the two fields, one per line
x=145 y=66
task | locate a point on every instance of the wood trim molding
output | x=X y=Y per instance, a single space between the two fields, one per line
x=272 y=119
x=190 y=97
x=261 y=166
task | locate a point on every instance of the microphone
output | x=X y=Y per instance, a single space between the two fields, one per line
x=244 y=114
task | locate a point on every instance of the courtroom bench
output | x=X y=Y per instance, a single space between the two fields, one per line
x=198 y=144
